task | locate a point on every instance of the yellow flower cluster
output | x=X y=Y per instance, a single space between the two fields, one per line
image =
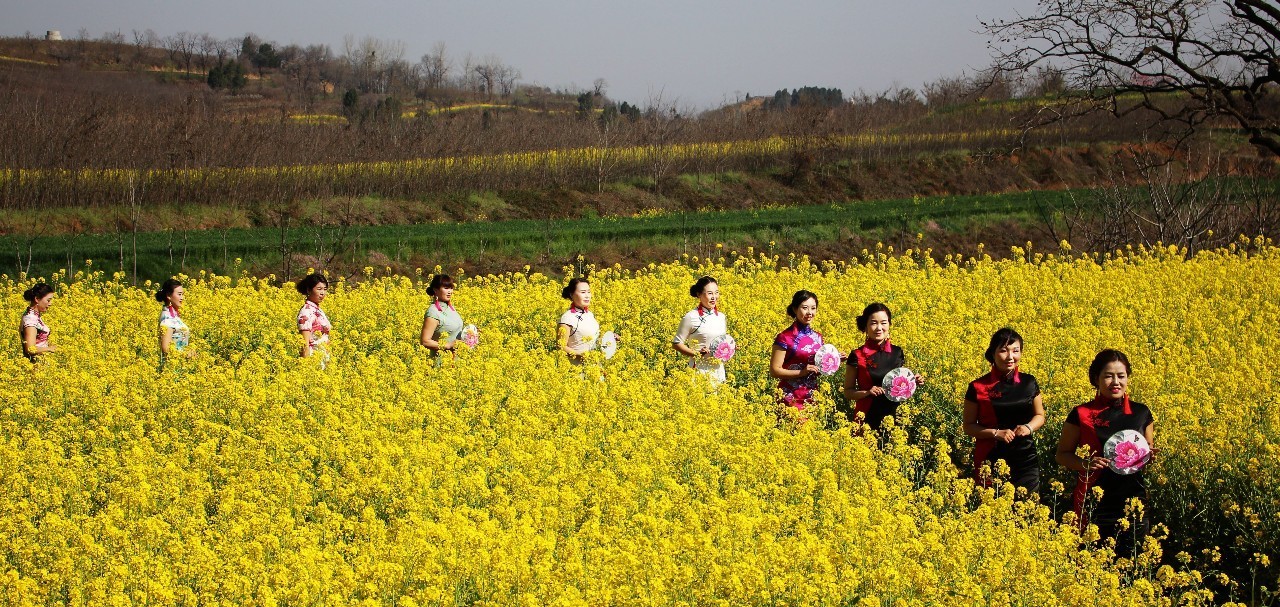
x=247 y=476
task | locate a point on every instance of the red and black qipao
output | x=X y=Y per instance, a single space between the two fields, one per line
x=872 y=362
x=1098 y=419
x=1004 y=403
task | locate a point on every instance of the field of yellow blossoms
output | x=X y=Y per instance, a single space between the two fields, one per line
x=507 y=476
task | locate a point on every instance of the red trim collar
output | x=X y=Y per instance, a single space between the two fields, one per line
x=869 y=348
x=1100 y=402
x=1015 y=377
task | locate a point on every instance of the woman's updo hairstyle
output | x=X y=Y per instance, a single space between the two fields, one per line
x=1103 y=359
x=567 y=291
x=305 y=285
x=166 y=289
x=37 y=291
x=1004 y=337
x=798 y=300
x=700 y=286
x=870 y=310
x=439 y=281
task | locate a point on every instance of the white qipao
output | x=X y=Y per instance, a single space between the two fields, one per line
x=698 y=327
x=584 y=331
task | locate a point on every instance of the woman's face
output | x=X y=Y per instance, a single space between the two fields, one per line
x=582 y=295
x=1006 y=357
x=176 y=298
x=318 y=293
x=41 y=304
x=444 y=294
x=878 y=327
x=1113 y=382
x=806 y=311
x=710 y=296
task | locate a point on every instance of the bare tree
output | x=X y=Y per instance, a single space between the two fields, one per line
x=113 y=44
x=146 y=39
x=1182 y=62
x=182 y=49
x=434 y=67
x=209 y=50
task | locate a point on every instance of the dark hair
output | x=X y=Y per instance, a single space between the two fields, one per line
x=1103 y=359
x=1004 y=337
x=700 y=286
x=166 y=289
x=37 y=291
x=872 y=309
x=798 y=299
x=439 y=281
x=567 y=291
x=305 y=285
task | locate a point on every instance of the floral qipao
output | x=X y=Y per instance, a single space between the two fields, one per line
x=799 y=343
x=1098 y=420
x=312 y=318
x=181 y=334
x=872 y=362
x=698 y=327
x=32 y=319
x=1004 y=403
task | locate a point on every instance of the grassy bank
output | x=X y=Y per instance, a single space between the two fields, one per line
x=545 y=244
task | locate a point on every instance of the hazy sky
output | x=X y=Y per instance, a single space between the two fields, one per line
x=698 y=53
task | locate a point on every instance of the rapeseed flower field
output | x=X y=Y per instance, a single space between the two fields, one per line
x=509 y=476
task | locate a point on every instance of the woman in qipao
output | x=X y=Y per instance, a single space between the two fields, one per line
x=867 y=366
x=32 y=330
x=699 y=327
x=441 y=326
x=1003 y=410
x=174 y=334
x=313 y=325
x=1091 y=425
x=792 y=361
x=578 y=330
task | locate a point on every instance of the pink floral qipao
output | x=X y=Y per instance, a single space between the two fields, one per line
x=311 y=318
x=800 y=344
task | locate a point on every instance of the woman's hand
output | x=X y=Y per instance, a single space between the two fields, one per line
x=1022 y=430
x=876 y=391
x=1096 y=462
x=1004 y=436
x=812 y=370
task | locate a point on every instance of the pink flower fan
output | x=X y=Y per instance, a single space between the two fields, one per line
x=470 y=336
x=723 y=347
x=1127 y=451
x=899 y=384
x=827 y=358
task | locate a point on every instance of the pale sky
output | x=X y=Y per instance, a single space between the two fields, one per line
x=697 y=53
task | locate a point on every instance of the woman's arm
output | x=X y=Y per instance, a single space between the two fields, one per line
x=1037 y=418
x=29 y=345
x=687 y=351
x=682 y=334
x=851 y=390
x=777 y=370
x=562 y=337
x=166 y=339
x=977 y=430
x=306 y=343
x=1066 y=454
x=429 y=326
